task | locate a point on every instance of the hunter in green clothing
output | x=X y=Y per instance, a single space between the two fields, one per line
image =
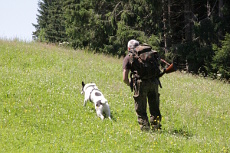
x=145 y=91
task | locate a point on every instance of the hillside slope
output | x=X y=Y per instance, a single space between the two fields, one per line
x=41 y=108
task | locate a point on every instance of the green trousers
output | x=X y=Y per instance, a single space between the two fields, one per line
x=146 y=92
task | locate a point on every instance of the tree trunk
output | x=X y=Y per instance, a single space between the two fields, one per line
x=169 y=24
x=166 y=23
x=221 y=8
x=220 y=14
x=188 y=20
x=208 y=9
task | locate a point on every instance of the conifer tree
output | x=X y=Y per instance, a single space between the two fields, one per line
x=184 y=28
x=51 y=22
x=42 y=19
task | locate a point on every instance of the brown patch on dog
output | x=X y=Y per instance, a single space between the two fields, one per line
x=97 y=94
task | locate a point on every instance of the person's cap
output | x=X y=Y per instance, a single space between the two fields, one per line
x=133 y=44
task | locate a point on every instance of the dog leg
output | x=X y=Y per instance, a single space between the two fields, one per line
x=108 y=114
x=102 y=117
x=107 y=111
x=99 y=114
x=85 y=101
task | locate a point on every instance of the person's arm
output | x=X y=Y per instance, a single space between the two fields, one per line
x=126 y=76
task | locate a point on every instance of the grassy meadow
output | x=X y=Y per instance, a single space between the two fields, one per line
x=41 y=107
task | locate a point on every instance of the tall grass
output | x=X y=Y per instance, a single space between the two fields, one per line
x=41 y=108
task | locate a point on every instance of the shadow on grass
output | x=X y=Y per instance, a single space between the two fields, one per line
x=112 y=117
x=177 y=132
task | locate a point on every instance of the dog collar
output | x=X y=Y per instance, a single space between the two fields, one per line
x=89 y=86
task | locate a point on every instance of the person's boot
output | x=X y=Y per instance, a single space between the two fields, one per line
x=145 y=126
x=156 y=125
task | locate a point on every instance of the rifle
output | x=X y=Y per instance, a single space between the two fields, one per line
x=171 y=68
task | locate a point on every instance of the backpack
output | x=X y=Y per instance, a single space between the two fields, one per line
x=144 y=62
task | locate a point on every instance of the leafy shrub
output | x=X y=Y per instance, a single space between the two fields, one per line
x=221 y=62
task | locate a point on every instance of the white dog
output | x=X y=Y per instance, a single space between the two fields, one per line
x=93 y=94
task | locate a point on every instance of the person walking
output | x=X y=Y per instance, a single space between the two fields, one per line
x=145 y=89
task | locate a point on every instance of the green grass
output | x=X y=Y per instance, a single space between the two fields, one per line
x=41 y=108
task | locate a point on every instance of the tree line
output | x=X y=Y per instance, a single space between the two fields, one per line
x=193 y=33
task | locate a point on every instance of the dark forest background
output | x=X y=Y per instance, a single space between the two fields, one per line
x=193 y=33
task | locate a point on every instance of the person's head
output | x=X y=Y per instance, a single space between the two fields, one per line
x=132 y=44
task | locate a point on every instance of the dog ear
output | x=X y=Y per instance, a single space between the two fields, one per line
x=83 y=84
